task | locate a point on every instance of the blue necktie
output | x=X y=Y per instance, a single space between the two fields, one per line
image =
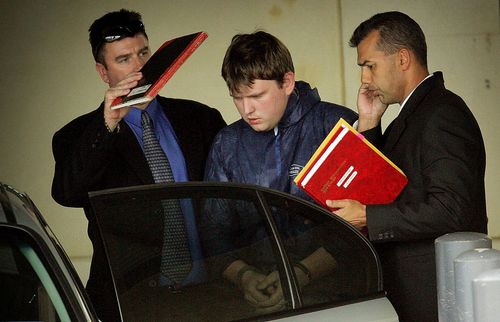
x=176 y=257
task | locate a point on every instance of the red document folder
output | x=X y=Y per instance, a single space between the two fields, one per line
x=347 y=166
x=160 y=68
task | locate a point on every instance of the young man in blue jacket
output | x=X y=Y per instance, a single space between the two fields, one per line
x=282 y=123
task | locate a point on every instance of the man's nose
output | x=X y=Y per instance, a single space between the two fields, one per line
x=138 y=63
x=248 y=107
x=366 y=77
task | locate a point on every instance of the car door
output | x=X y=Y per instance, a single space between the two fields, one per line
x=37 y=281
x=274 y=234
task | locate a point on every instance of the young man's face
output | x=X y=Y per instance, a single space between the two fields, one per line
x=380 y=70
x=262 y=105
x=123 y=57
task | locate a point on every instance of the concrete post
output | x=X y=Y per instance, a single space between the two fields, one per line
x=486 y=293
x=448 y=247
x=468 y=266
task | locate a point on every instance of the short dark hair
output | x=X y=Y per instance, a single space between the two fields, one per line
x=397 y=30
x=124 y=22
x=258 y=55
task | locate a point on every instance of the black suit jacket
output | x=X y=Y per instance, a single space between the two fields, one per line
x=88 y=158
x=436 y=141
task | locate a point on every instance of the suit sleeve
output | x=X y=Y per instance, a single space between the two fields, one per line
x=82 y=150
x=374 y=136
x=445 y=163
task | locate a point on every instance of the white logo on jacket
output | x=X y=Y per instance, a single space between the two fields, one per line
x=295 y=170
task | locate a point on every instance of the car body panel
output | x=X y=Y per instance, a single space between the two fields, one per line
x=374 y=310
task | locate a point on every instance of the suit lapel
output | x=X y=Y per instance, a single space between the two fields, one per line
x=393 y=133
x=129 y=148
x=399 y=125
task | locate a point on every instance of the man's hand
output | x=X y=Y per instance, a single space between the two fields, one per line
x=271 y=286
x=370 y=108
x=112 y=117
x=351 y=210
x=249 y=285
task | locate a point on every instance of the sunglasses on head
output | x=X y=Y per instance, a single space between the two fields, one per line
x=118 y=32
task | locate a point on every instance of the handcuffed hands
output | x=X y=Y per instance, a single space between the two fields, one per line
x=265 y=292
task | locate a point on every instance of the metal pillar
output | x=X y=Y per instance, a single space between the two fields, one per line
x=468 y=266
x=486 y=293
x=448 y=247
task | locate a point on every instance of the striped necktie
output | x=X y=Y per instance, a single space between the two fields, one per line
x=175 y=257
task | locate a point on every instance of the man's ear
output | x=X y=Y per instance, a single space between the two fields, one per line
x=405 y=58
x=102 y=71
x=289 y=82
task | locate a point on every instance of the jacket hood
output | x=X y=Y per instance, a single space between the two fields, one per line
x=300 y=102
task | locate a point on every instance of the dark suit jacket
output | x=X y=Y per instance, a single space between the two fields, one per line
x=437 y=143
x=88 y=158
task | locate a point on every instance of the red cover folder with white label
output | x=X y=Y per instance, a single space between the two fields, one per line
x=348 y=166
x=160 y=67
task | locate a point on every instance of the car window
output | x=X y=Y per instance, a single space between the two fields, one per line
x=27 y=291
x=322 y=238
x=271 y=232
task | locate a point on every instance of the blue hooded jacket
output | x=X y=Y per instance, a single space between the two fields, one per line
x=270 y=159
x=240 y=154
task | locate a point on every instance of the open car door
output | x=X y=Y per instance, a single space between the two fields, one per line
x=271 y=231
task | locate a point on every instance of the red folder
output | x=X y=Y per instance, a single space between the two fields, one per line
x=347 y=166
x=160 y=67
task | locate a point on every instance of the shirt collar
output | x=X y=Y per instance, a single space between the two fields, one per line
x=407 y=97
x=134 y=116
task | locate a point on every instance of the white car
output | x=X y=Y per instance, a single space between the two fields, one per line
x=271 y=230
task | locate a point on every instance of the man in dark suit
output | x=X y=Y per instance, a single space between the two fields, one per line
x=435 y=140
x=104 y=148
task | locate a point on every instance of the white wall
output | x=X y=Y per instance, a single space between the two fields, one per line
x=49 y=77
